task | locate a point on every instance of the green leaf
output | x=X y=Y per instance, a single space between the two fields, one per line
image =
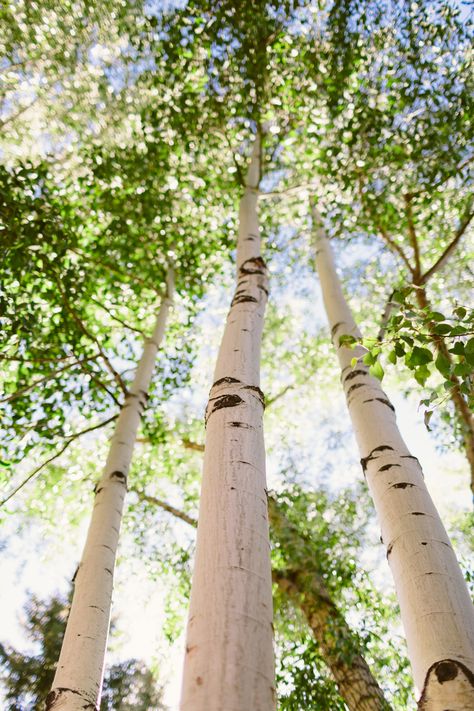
x=376 y=370
x=458 y=348
x=369 y=359
x=419 y=356
x=392 y=357
x=469 y=347
x=443 y=365
x=422 y=373
x=460 y=312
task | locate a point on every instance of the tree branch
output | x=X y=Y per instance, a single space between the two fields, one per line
x=413 y=237
x=395 y=248
x=57 y=454
x=165 y=506
x=451 y=246
x=20 y=392
x=119 y=320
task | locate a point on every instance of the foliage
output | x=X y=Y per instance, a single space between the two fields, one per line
x=27 y=678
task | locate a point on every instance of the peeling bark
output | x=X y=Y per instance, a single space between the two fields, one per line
x=78 y=680
x=229 y=651
x=436 y=610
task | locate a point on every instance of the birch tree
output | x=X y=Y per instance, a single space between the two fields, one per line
x=437 y=612
x=79 y=673
x=229 y=654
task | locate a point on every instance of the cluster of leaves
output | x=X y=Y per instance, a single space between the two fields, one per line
x=427 y=342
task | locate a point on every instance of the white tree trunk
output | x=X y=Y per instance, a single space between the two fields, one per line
x=436 y=610
x=78 y=679
x=229 y=662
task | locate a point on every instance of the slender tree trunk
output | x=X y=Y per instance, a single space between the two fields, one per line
x=78 y=679
x=339 y=646
x=229 y=662
x=437 y=613
x=306 y=590
x=461 y=408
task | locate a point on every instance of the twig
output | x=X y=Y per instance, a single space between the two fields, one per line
x=165 y=506
x=57 y=454
x=395 y=248
x=450 y=248
x=16 y=394
x=119 y=320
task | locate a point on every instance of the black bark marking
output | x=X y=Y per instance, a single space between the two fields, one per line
x=445 y=670
x=364 y=461
x=383 y=400
x=118 y=475
x=96 y=607
x=424 y=543
x=243 y=298
x=409 y=456
x=105 y=546
x=255 y=265
x=335 y=327
x=354 y=387
x=386 y=467
x=54 y=695
x=418 y=513
x=97 y=489
x=232 y=488
x=107 y=570
x=263 y=288
x=389 y=549
x=354 y=374
x=227 y=380
x=260 y=394
x=402 y=485
x=240 y=424
x=224 y=401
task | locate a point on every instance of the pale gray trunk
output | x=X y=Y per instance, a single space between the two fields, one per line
x=78 y=679
x=437 y=613
x=229 y=662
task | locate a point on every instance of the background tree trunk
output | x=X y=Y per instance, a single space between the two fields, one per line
x=229 y=652
x=78 y=679
x=437 y=613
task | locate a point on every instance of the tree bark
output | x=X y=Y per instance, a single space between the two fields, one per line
x=78 y=679
x=305 y=588
x=302 y=583
x=461 y=408
x=229 y=662
x=437 y=613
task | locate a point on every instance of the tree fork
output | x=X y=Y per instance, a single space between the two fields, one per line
x=229 y=651
x=437 y=612
x=78 y=680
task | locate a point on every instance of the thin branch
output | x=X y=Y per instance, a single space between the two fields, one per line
x=413 y=237
x=119 y=320
x=165 y=506
x=17 y=114
x=390 y=307
x=450 y=248
x=101 y=263
x=102 y=385
x=17 y=393
x=90 y=335
x=57 y=454
x=276 y=397
x=395 y=248
x=188 y=444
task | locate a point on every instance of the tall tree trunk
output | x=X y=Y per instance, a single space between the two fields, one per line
x=78 y=679
x=305 y=588
x=339 y=646
x=437 y=613
x=461 y=408
x=229 y=662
